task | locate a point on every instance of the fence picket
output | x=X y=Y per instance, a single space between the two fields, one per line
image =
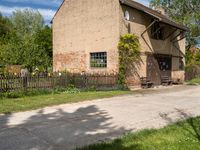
x=14 y=82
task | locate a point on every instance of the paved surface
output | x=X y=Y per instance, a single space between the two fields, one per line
x=74 y=125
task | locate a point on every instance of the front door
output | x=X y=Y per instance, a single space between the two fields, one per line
x=157 y=66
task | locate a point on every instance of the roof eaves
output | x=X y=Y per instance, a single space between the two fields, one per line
x=153 y=13
x=129 y=3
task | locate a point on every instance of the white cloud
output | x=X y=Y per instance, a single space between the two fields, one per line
x=40 y=2
x=46 y=13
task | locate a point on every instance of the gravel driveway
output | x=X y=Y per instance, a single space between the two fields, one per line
x=73 y=125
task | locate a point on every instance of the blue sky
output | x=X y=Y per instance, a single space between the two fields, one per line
x=46 y=7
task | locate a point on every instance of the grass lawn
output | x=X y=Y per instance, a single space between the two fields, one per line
x=180 y=136
x=194 y=81
x=8 y=105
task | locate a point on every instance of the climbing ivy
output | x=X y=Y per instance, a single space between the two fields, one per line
x=129 y=52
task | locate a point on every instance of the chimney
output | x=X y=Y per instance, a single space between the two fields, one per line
x=161 y=10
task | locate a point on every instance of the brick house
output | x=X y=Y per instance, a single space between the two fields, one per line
x=86 y=34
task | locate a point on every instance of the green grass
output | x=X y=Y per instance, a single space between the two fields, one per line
x=194 y=81
x=8 y=105
x=180 y=136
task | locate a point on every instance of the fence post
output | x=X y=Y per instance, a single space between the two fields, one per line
x=25 y=82
x=24 y=76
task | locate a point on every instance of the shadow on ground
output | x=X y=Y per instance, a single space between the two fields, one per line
x=141 y=141
x=192 y=126
x=59 y=130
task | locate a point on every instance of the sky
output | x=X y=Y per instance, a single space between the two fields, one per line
x=46 y=7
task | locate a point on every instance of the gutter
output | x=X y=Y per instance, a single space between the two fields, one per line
x=162 y=18
x=128 y=3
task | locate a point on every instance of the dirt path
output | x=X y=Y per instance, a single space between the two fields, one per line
x=73 y=125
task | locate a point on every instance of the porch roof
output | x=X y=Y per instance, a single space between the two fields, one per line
x=153 y=13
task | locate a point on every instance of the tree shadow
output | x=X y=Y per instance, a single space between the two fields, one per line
x=117 y=144
x=133 y=74
x=59 y=129
x=192 y=125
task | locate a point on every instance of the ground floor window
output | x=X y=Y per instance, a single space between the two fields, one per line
x=165 y=63
x=98 y=60
x=181 y=64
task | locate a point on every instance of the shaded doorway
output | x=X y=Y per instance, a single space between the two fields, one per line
x=158 y=65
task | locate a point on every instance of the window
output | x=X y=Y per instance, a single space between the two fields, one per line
x=157 y=31
x=181 y=64
x=126 y=15
x=98 y=60
x=165 y=63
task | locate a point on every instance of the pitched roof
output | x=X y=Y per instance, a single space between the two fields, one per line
x=153 y=13
x=57 y=11
x=146 y=10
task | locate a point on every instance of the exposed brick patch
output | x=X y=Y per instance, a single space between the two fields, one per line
x=72 y=62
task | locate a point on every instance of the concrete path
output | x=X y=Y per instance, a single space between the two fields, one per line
x=69 y=126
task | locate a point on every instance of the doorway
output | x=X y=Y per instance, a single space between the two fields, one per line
x=158 y=65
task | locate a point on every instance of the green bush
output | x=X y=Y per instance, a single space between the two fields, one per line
x=21 y=93
x=129 y=53
x=195 y=81
x=13 y=94
x=192 y=71
x=72 y=89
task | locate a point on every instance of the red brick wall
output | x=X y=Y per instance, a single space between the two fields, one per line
x=72 y=61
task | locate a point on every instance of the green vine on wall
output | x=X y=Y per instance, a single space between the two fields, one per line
x=129 y=52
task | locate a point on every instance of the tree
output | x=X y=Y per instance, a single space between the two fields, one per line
x=186 y=12
x=5 y=32
x=34 y=55
x=27 y=22
x=30 y=42
x=44 y=39
x=5 y=26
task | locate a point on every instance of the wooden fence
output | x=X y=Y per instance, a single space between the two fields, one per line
x=15 y=82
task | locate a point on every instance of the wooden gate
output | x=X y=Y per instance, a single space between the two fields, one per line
x=157 y=66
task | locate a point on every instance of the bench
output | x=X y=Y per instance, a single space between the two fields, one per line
x=146 y=83
x=165 y=80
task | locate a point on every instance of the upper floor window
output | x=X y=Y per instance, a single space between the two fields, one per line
x=98 y=60
x=157 y=31
x=127 y=15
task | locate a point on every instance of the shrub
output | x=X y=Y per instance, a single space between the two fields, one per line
x=21 y=93
x=129 y=52
x=192 y=71
x=72 y=89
